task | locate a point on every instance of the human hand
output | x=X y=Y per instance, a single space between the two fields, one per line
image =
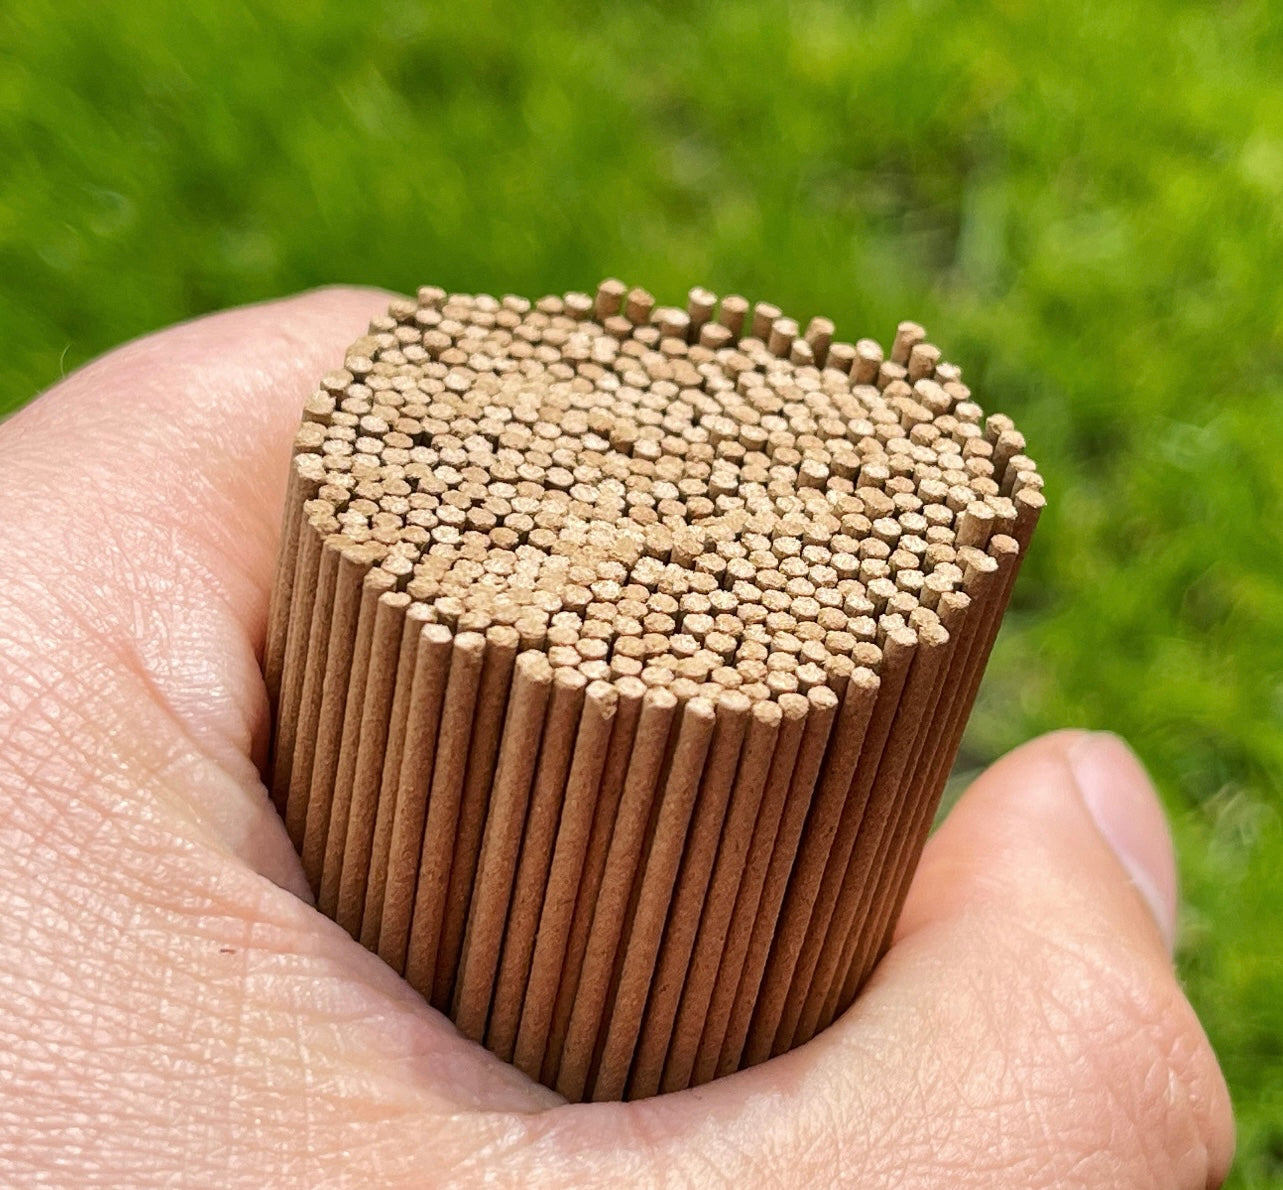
x=171 y=1011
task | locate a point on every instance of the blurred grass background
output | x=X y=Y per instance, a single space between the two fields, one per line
x=1082 y=201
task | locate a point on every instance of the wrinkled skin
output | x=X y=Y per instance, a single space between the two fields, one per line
x=172 y=1010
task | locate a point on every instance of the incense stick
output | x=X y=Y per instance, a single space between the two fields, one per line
x=326 y=828
x=434 y=667
x=732 y=856
x=295 y=649
x=482 y=756
x=297 y=788
x=594 y=860
x=417 y=617
x=367 y=778
x=690 y=891
x=441 y=815
x=819 y=723
x=564 y=708
x=353 y=564
x=691 y=746
x=618 y=653
x=622 y=862
x=858 y=708
x=306 y=474
x=501 y=842
x=601 y=702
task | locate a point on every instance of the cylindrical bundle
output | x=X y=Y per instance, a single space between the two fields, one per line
x=618 y=655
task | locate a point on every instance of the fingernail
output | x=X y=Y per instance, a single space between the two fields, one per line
x=1121 y=800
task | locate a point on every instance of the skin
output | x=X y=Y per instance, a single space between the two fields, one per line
x=172 y=1010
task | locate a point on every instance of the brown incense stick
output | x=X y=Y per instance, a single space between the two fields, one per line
x=433 y=669
x=859 y=704
x=565 y=706
x=822 y=824
x=482 y=756
x=298 y=785
x=903 y=746
x=820 y=719
x=618 y=653
x=865 y=939
x=501 y=843
x=1010 y=554
x=326 y=834
x=591 y=868
x=690 y=893
x=722 y=1001
x=367 y=780
x=295 y=649
x=442 y=812
x=601 y=702
x=622 y=861
x=733 y=852
x=417 y=617
x=853 y=965
x=856 y=881
x=691 y=746
x=306 y=474
x=922 y=794
x=353 y=564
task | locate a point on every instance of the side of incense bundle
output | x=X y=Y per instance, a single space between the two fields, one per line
x=618 y=657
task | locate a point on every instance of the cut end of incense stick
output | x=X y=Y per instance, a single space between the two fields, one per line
x=618 y=655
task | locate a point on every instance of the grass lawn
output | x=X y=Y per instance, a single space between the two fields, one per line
x=1082 y=201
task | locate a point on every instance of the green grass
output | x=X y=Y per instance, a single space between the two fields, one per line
x=1083 y=202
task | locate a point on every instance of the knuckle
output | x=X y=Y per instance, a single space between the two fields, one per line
x=1141 y=1057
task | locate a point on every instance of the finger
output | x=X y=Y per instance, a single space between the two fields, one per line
x=1059 y=859
x=1108 y=843
x=139 y=541
x=1026 y=1028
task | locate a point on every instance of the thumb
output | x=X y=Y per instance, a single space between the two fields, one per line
x=1070 y=820
x=1046 y=903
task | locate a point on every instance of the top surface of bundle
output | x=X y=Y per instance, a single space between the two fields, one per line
x=708 y=499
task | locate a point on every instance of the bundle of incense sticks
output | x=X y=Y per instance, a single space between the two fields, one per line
x=619 y=655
